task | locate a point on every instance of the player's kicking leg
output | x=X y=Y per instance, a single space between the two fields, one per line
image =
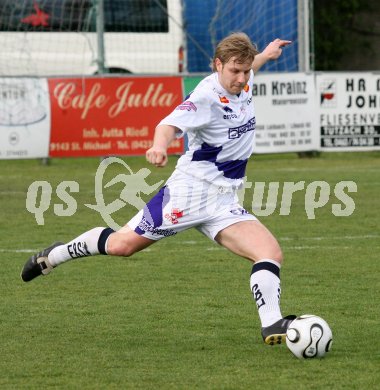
x=38 y=264
x=93 y=242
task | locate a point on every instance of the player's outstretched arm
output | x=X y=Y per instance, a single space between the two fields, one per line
x=163 y=136
x=271 y=52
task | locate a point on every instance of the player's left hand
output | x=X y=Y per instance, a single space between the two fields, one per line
x=274 y=49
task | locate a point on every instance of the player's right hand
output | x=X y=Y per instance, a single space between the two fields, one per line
x=157 y=156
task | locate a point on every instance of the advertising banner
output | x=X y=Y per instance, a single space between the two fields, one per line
x=349 y=111
x=24 y=118
x=286 y=119
x=110 y=116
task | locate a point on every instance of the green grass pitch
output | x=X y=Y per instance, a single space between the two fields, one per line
x=180 y=314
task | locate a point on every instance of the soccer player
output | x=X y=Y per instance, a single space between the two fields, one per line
x=219 y=119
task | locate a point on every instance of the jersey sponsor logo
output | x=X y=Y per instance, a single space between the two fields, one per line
x=229 y=116
x=237 y=132
x=223 y=99
x=246 y=88
x=187 y=105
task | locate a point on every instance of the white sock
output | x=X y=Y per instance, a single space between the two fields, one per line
x=266 y=290
x=84 y=245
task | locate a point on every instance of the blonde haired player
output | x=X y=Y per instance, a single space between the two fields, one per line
x=219 y=119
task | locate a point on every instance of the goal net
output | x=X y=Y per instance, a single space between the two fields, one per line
x=262 y=20
x=81 y=37
x=85 y=37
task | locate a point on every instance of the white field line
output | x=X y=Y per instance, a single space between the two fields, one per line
x=317 y=169
x=216 y=247
x=359 y=237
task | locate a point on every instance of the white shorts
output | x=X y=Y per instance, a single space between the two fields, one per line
x=186 y=202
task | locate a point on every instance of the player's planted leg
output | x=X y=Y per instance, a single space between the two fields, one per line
x=276 y=333
x=266 y=290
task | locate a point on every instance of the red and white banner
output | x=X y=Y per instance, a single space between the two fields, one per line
x=110 y=116
x=24 y=118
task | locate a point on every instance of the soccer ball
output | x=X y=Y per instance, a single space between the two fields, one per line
x=309 y=336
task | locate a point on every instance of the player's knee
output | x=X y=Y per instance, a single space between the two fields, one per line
x=274 y=253
x=126 y=242
x=120 y=248
x=268 y=254
x=278 y=256
x=124 y=251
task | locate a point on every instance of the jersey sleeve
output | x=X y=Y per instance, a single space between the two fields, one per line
x=192 y=114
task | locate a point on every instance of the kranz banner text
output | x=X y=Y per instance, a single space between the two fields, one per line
x=285 y=113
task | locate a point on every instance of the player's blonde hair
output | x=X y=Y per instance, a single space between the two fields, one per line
x=236 y=45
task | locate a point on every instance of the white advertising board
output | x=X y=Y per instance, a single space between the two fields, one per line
x=286 y=118
x=349 y=111
x=24 y=118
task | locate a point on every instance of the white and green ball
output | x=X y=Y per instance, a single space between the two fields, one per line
x=309 y=336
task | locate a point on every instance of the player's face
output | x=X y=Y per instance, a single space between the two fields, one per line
x=233 y=76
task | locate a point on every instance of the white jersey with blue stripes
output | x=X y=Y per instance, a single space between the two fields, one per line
x=220 y=129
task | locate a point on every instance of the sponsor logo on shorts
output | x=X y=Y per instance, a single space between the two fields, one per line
x=239 y=211
x=145 y=226
x=174 y=215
